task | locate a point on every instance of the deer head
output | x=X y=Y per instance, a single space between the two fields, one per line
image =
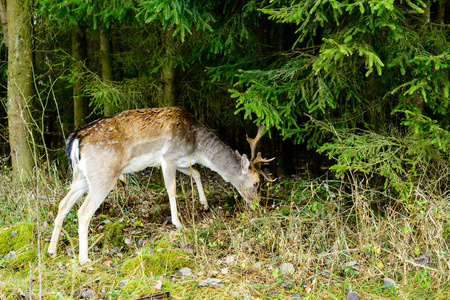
x=251 y=183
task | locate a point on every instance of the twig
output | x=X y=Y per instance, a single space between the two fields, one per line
x=155 y=296
x=31 y=281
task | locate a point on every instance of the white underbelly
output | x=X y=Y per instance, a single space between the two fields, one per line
x=141 y=162
x=154 y=160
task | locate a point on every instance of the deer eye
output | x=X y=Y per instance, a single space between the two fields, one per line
x=255 y=184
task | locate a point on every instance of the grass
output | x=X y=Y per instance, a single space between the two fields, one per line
x=335 y=242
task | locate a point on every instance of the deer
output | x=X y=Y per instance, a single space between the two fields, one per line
x=103 y=151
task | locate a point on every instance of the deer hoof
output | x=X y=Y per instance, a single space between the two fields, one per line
x=85 y=261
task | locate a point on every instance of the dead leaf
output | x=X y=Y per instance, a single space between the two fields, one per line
x=389 y=259
x=108 y=263
x=380 y=265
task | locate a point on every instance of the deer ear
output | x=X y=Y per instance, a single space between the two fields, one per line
x=245 y=163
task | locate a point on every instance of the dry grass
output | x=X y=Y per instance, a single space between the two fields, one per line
x=334 y=240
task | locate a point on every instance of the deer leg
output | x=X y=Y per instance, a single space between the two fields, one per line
x=97 y=193
x=196 y=175
x=78 y=188
x=169 y=169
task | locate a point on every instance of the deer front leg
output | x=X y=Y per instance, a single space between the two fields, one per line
x=196 y=175
x=169 y=169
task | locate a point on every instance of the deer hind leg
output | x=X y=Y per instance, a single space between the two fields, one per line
x=169 y=169
x=78 y=188
x=98 y=191
x=196 y=175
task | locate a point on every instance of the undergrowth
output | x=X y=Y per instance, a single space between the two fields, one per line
x=332 y=239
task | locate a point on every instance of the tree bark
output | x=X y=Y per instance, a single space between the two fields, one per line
x=441 y=12
x=427 y=11
x=107 y=70
x=4 y=19
x=20 y=86
x=168 y=89
x=79 y=53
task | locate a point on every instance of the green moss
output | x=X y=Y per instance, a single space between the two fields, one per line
x=23 y=258
x=164 y=261
x=139 y=286
x=101 y=218
x=15 y=237
x=114 y=233
x=161 y=244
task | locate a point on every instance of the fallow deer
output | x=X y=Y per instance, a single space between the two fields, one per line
x=102 y=151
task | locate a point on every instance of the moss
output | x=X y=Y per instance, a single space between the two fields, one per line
x=114 y=233
x=101 y=218
x=23 y=258
x=161 y=244
x=139 y=286
x=162 y=261
x=15 y=237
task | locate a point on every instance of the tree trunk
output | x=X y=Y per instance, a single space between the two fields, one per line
x=441 y=12
x=168 y=90
x=79 y=52
x=20 y=86
x=427 y=11
x=107 y=70
x=4 y=19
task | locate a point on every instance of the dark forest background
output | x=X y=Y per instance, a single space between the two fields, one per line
x=318 y=74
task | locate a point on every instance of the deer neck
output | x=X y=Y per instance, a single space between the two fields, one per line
x=214 y=154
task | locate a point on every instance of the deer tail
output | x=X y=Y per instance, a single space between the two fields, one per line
x=73 y=152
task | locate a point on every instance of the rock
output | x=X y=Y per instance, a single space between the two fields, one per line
x=297 y=296
x=229 y=259
x=348 y=264
x=272 y=294
x=224 y=271
x=150 y=251
x=389 y=283
x=11 y=255
x=325 y=273
x=287 y=269
x=211 y=282
x=185 y=272
x=187 y=247
x=86 y=293
x=353 y=296
x=123 y=283
x=158 y=285
x=70 y=251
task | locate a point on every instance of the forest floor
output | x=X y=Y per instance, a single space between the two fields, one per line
x=310 y=239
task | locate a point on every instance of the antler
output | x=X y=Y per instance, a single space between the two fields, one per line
x=255 y=141
x=258 y=159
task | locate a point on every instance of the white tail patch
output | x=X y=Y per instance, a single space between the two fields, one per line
x=75 y=156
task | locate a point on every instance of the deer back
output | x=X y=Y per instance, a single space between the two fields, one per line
x=135 y=139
